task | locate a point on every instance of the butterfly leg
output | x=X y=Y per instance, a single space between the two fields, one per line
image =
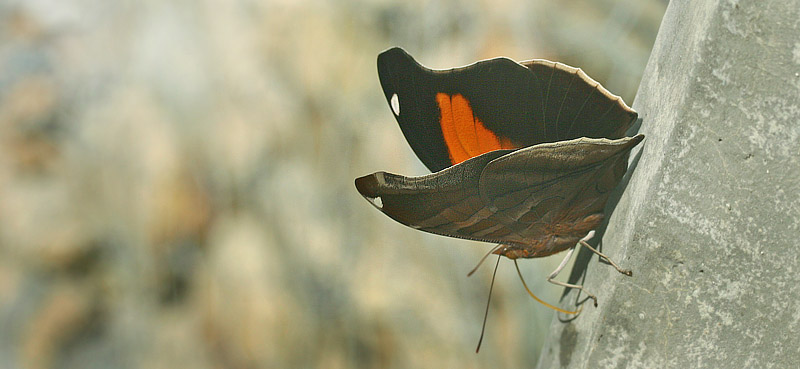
x=585 y=244
x=554 y=274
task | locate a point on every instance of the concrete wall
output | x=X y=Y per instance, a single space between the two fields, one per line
x=709 y=220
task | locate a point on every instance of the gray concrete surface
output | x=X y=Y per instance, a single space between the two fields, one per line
x=709 y=219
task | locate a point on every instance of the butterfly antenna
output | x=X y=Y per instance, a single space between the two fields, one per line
x=538 y=299
x=484 y=258
x=486 y=314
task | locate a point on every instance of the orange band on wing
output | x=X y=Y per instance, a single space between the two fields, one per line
x=464 y=134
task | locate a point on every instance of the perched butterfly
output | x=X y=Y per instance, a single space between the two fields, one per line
x=524 y=155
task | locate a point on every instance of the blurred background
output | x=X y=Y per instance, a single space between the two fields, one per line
x=176 y=182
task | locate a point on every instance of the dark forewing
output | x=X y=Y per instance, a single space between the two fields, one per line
x=523 y=104
x=571 y=104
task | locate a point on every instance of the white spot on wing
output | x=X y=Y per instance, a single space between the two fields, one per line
x=395 y=102
x=377 y=202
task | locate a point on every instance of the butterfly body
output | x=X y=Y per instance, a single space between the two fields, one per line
x=524 y=154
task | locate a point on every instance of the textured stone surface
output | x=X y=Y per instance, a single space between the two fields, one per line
x=709 y=221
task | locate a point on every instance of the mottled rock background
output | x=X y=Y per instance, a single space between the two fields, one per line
x=176 y=181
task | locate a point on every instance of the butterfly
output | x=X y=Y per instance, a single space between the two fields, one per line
x=524 y=155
